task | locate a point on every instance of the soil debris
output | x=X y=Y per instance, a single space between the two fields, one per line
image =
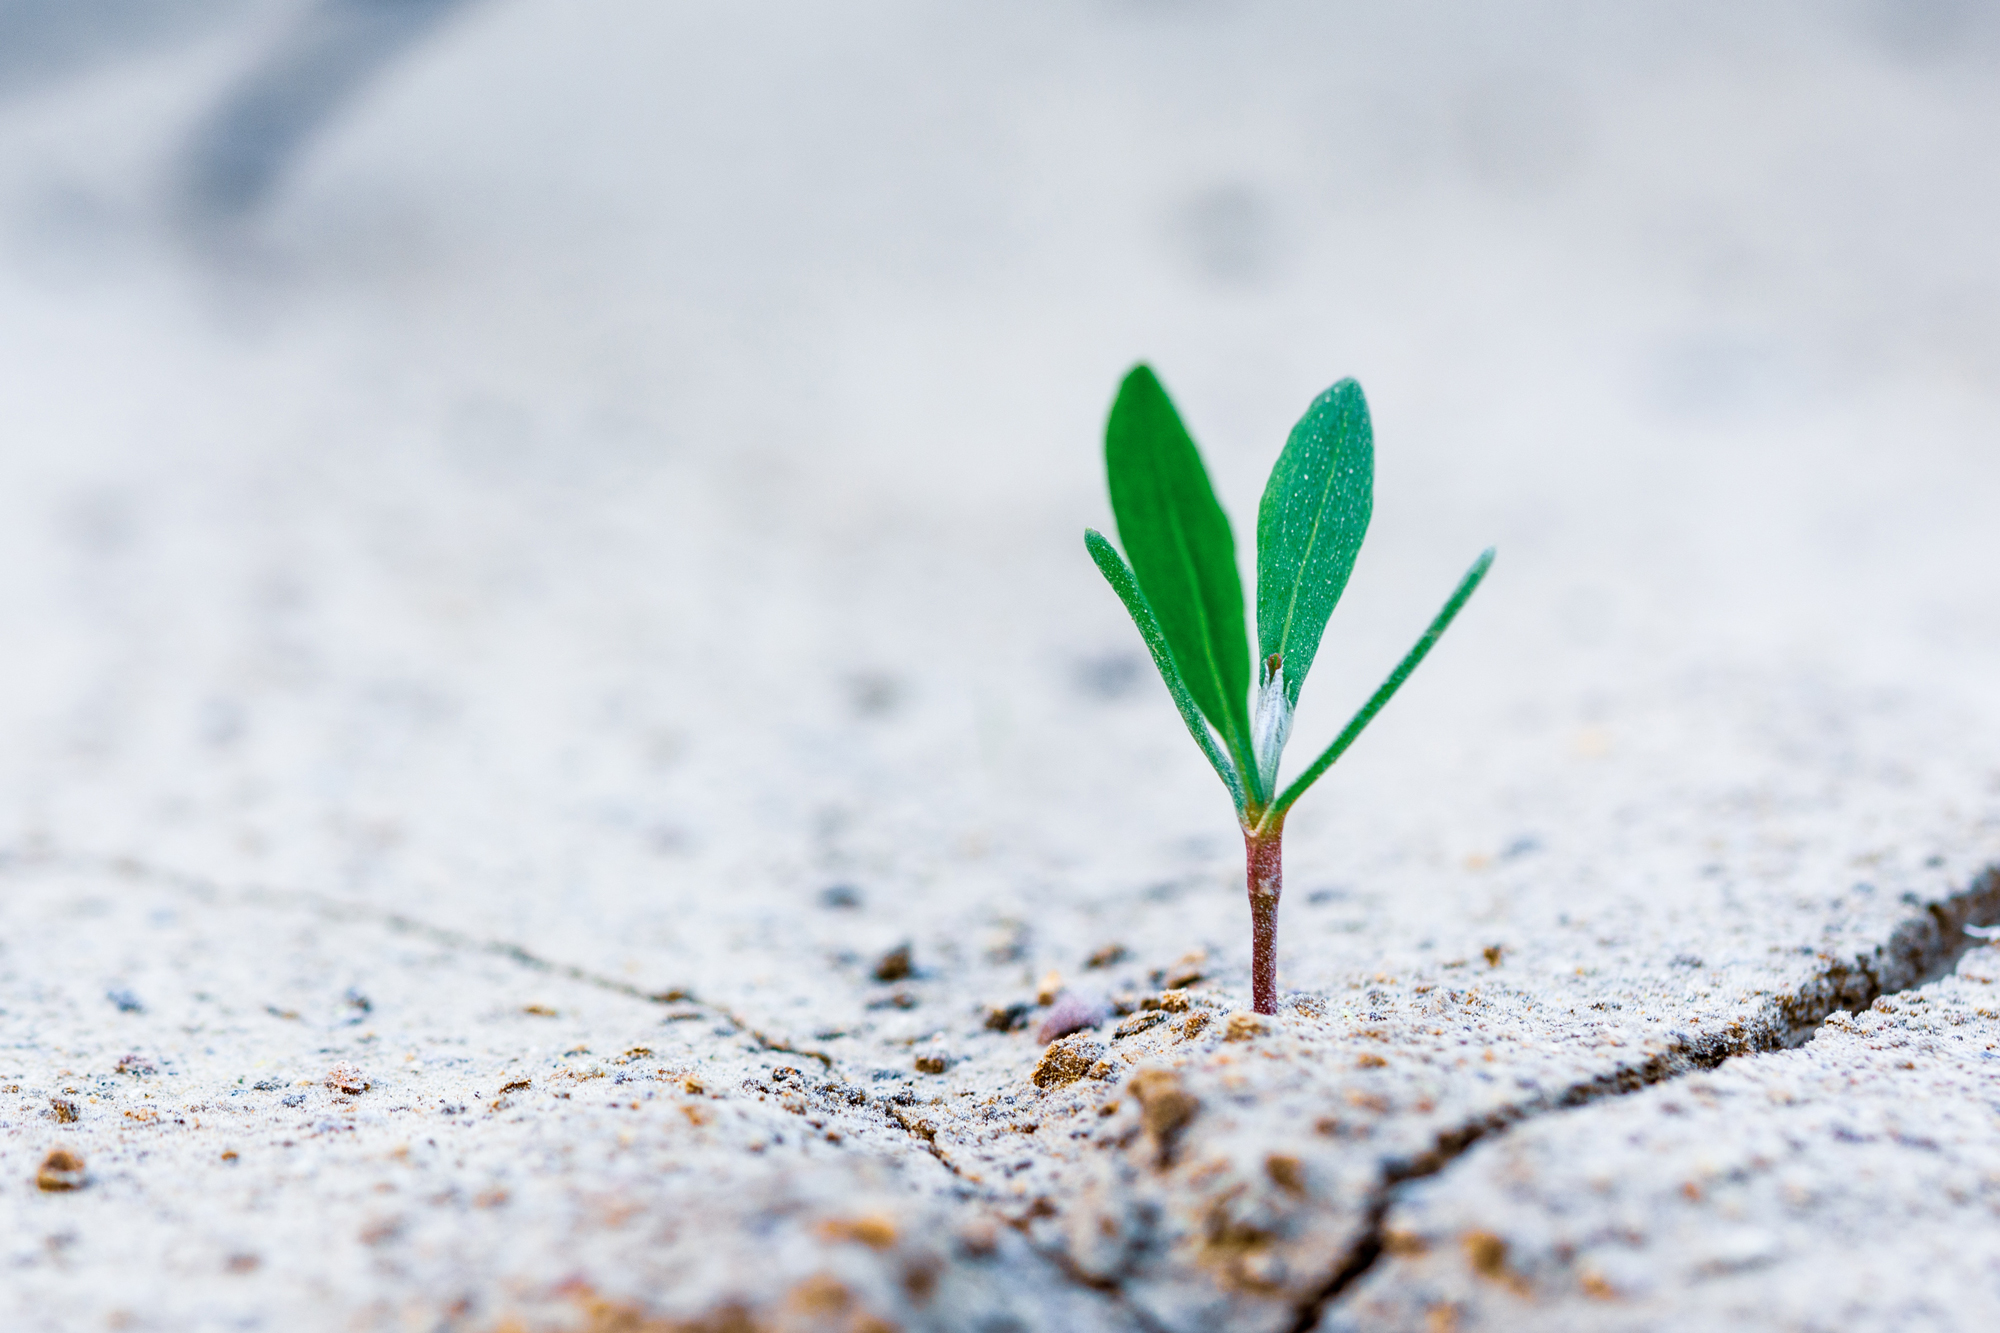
x=347 y=1078
x=1244 y=1026
x=875 y=1230
x=894 y=965
x=61 y=1170
x=1008 y=1019
x=1067 y=1060
x=1165 y=1107
x=1190 y=969
x=1107 y=956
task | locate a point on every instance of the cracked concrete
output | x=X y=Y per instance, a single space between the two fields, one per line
x=1850 y=1183
x=559 y=749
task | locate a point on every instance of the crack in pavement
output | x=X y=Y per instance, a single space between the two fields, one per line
x=1922 y=948
x=211 y=892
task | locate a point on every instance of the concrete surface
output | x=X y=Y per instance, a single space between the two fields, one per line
x=1849 y=1184
x=591 y=570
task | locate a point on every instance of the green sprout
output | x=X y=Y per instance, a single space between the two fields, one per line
x=1186 y=596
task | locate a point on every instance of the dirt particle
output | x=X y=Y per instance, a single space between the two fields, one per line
x=1190 y=969
x=692 y=1085
x=1172 y=1001
x=1243 y=1027
x=136 y=1065
x=1406 y=1243
x=1597 y=1286
x=840 y=897
x=1493 y=953
x=1007 y=1019
x=875 y=1230
x=347 y=1078
x=65 y=1112
x=1370 y=1062
x=60 y=1170
x=1487 y=1253
x=1066 y=1060
x=1107 y=956
x=231 y=1155
x=1287 y=1172
x=893 y=965
x=1139 y=1022
x=538 y=1010
x=1166 y=1108
x=1048 y=987
x=933 y=1063
x=920 y=1278
x=382 y=1231
x=978 y=1238
x=820 y=1294
x=516 y=1085
x=1192 y=1026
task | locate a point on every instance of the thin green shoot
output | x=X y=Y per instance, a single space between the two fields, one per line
x=1184 y=594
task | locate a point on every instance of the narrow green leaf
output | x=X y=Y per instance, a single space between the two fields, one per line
x=1309 y=528
x=1182 y=554
x=1360 y=721
x=1119 y=576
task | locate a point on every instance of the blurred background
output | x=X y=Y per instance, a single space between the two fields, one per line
x=544 y=461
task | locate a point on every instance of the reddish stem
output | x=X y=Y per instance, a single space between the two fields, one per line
x=1263 y=855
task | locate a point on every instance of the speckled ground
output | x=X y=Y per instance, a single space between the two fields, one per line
x=1852 y=1183
x=559 y=748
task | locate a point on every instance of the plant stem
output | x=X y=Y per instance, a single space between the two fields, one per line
x=1264 y=858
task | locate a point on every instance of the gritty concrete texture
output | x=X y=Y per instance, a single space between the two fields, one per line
x=1852 y=1183
x=562 y=765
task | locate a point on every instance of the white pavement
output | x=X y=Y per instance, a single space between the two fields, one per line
x=496 y=653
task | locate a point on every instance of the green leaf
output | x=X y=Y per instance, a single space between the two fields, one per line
x=1309 y=529
x=1182 y=553
x=1360 y=721
x=1119 y=576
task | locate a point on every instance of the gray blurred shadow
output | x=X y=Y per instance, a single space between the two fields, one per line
x=239 y=153
x=45 y=41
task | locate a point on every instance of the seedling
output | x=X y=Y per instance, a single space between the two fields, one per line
x=1186 y=596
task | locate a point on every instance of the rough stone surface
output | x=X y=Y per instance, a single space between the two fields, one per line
x=559 y=748
x=1853 y=1183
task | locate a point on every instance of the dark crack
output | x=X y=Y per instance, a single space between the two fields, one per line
x=1924 y=947
x=333 y=909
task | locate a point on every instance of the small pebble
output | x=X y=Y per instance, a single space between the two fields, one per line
x=347 y=1078
x=61 y=1170
x=1070 y=1013
x=894 y=965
